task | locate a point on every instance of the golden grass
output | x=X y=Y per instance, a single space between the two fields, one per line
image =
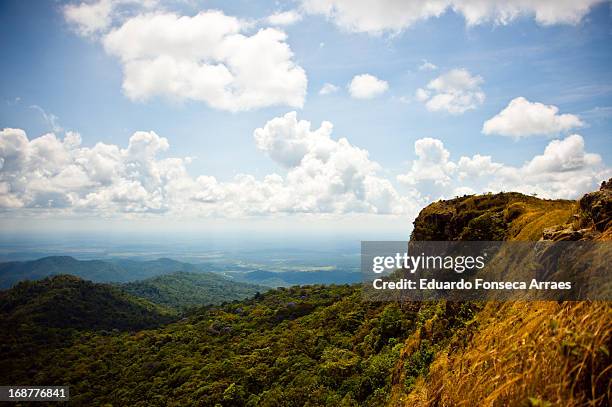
x=526 y=353
x=530 y=224
x=521 y=353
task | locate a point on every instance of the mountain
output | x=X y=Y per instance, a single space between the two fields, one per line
x=51 y=313
x=96 y=270
x=125 y=270
x=65 y=301
x=139 y=270
x=326 y=346
x=114 y=270
x=182 y=290
x=289 y=278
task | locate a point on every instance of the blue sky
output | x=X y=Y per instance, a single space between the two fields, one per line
x=559 y=61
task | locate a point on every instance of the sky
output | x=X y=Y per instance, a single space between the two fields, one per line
x=299 y=118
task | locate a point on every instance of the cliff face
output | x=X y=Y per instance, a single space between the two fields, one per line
x=537 y=353
x=504 y=216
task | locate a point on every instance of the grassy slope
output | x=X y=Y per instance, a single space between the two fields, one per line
x=514 y=353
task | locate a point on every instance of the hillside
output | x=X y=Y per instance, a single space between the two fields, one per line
x=182 y=290
x=115 y=270
x=126 y=270
x=289 y=278
x=68 y=302
x=324 y=346
x=537 y=353
x=36 y=315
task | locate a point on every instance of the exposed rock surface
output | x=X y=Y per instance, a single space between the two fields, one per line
x=535 y=353
x=592 y=221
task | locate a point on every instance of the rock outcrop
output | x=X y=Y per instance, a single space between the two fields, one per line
x=592 y=220
x=533 y=353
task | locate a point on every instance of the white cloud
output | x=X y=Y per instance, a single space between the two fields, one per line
x=432 y=163
x=328 y=89
x=206 y=58
x=326 y=175
x=378 y=16
x=89 y=18
x=94 y=17
x=322 y=175
x=284 y=18
x=522 y=118
x=503 y=12
x=48 y=172
x=427 y=66
x=318 y=175
x=563 y=170
x=367 y=86
x=455 y=92
x=51 y=120
x=375 y=17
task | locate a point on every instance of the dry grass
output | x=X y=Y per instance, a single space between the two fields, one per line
x=526 y=353
x=521 y=353
x=530 y=224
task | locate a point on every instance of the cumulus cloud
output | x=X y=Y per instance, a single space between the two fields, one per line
x=564 y=170
x=522 y=118
x=432 y=163
x=328 y=89
x=374 y=17
x=94 y=17
x=545 y=12
x=427 y=66
x=206 y=58
x=48 y=172
x=89 y=18
x=318 y=174
x=456 y=92
x=322 y=175
x=326 y=175
x=367 y=86
x=284 y=18
x=379 y=16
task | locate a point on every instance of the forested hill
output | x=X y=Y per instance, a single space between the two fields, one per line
x=182 y=290
x=127 y=270
x=289 y=278
x=66 y=301
x=115 y=270
x=326 y=346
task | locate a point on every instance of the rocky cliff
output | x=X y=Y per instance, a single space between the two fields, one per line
x=532 y=353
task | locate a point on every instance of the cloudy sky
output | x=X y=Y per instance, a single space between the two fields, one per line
x=299 y=115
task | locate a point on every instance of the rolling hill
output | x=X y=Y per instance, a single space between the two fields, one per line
x=126 y=270
x=36 y=316
x=66 y=301
x=115 y=270
x=289 y=278
x=182 y=290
